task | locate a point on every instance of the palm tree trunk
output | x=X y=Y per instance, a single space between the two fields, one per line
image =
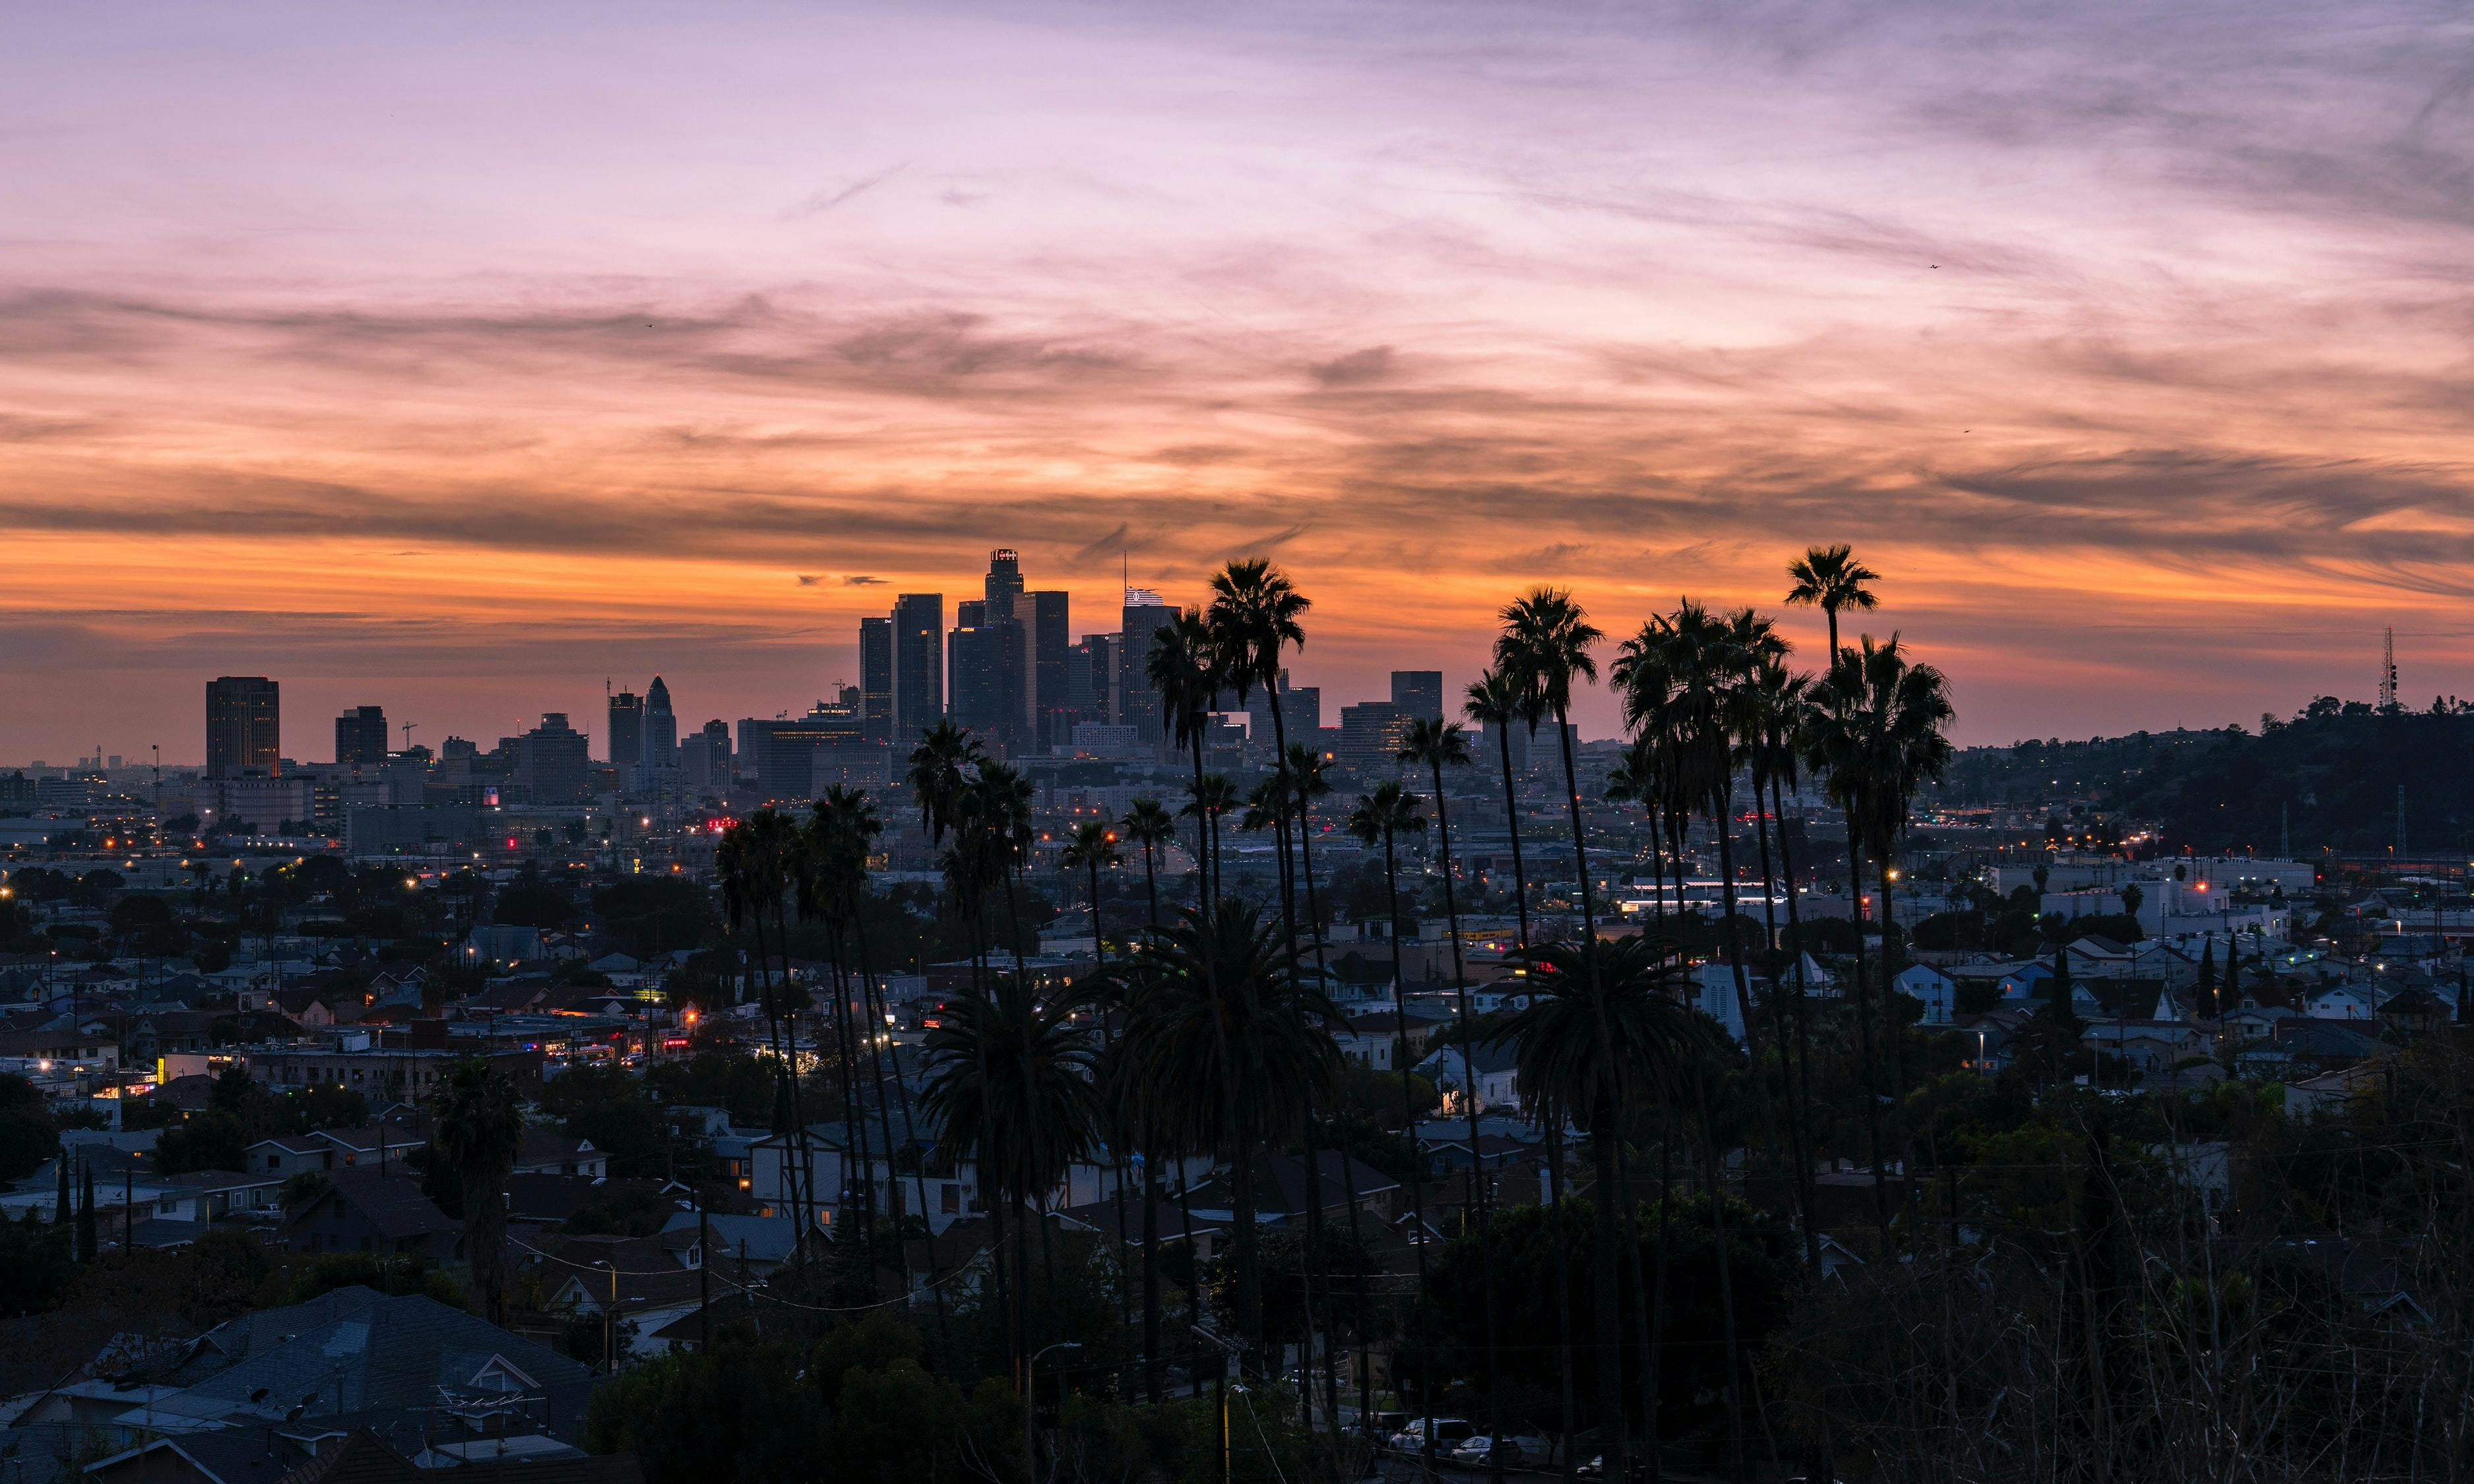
x=1477 y=1160
x=1864 y=1037
x=854 y=1119
x=1612 y=1436
x=1642 y=1299
x=1512 y=819
x=910 y=1139
x=798 y=1115
x=1193 y=1285
x=1892 y=1026
x=1798 y=1133
x=1554 y=1192
x=1580 y=841
x=1417 y=1162
x=1150 y=886
x=1152 y=1360
x=785 y=1096
x=1347 y=1166
x=1726 y=1285
x=1657 y=1358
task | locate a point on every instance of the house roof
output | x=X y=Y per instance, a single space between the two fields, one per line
x=396 y=1352
x=391 y=1201
x=224 y=1455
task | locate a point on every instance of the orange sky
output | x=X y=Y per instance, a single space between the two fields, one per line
x=452 y=361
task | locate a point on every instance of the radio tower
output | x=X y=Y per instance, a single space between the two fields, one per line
x=2388 y=671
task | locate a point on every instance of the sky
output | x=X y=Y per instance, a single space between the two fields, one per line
x=459 y=358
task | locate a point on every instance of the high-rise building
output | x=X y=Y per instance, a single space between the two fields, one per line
x=552 y=761
x=876 y=677
x=918 y=665
x=974 y=656
x=244 y=725
x=661 y=727
x=704 y=757
x=1371 y=735
x=1420 y=693
x=1300 y=716
x=1002 y=585
x=800 y=757
x=1091 y=681
x=361 y=736
x=1137 y=704
x=1052 y=647
x=626 y=733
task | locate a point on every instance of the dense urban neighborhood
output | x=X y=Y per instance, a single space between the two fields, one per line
x=1080 y=1061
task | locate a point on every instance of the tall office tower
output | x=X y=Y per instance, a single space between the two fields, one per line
x=361 y=735
x=876 y=677
x=1419 y=693
x=1051 y=712
x=918 y=666
x=244 y=725
x=974 y=653
x=626 y=733
x=1006 y=614
x=1091 y=681
x=552 y=761
x=1137 y=704
x=661 y=727
x=1300 y=716
x=1003 y=585
x=1371 y=735
x=704 y=757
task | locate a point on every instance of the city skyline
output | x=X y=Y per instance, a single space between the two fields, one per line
x=309 y=719
x=2122 y=342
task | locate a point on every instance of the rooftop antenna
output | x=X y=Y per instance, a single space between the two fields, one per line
x=2388 y=671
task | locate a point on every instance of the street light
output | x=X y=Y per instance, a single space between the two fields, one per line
x=1031 y=1405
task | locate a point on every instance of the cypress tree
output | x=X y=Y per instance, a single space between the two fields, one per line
x=60 y=1203
x=2233 y=977
x=86 y=1245
x=2207 y=994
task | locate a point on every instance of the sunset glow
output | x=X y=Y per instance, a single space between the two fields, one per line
x=458 y=357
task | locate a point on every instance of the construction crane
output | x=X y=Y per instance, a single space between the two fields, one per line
x=407 y=734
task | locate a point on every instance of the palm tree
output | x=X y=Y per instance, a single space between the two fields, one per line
x=846 y=826
x=1497 y=699
x=1094 y=844
x=1214 y=797
x=757 y=859
x=1183 y=668
x=1830 y=579
x=1150 y=825
x=1904 y=712
x=1009 y=1076
x=481 y=1132
x=829 y=877
x=1544 y=644
x=1773 y=708
x=1438 y=744
x=941 y=765
x=1381 y=818
x=1604 y=1030
x=1225 y=1046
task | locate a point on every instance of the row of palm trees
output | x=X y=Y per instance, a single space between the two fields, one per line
x=1213 y=1031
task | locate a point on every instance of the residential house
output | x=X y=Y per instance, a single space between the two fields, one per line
x=2344 y=1002
x=1490 y=1070
x=365 y=1211
x=544 y=1153
x=1934 y=990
